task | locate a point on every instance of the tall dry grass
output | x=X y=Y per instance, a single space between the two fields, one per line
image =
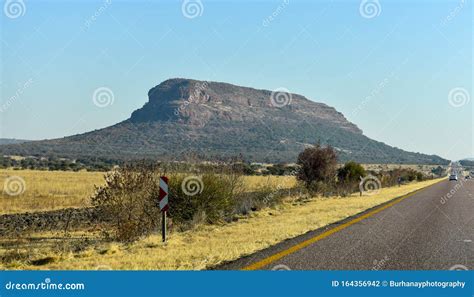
x=52 y=190
x=47 y=190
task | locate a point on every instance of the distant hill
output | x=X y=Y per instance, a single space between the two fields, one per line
x=219 y=120
x=11 y=141
x=468 y=162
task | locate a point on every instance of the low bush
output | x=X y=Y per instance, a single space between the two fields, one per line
x=348 y=178
x=130 y=199
x=210 y=196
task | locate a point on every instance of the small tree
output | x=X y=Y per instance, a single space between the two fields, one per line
x=439 y=171
x=317 y=166
x=349 y=176
x=351 y=172
x=419 y=176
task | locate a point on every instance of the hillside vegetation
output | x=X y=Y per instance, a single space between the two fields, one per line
x=218 y=121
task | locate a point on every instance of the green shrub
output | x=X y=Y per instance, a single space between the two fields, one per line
x=349 y=177
x=130 y=198
x=211 y=196
x=439 y=171
x=351 y=172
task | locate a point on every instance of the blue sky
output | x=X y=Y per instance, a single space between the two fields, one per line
x=389 y=70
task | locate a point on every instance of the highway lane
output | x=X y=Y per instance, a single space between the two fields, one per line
x=432 y=229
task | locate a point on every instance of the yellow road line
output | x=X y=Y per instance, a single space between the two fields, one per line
x=262 y=263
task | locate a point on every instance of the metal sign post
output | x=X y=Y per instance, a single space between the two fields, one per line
x=163 y=226
x=163 y=202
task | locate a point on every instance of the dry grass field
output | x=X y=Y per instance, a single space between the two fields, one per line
x=426 y=169
x=46 y=190
x=202 y=247
x=51 y=190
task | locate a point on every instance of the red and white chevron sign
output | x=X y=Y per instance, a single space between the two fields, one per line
x=163 y=199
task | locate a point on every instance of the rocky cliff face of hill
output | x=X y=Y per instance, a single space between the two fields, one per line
x=196 y=103
x=219 y=120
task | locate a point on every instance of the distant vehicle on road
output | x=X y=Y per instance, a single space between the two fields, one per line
x=453 y=177
x=468 y=177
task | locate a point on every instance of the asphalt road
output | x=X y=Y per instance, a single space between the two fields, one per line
x=430 y=230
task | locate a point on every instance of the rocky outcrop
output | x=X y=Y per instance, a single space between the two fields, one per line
x=217 y=121
x=58 y=220
x=198 y=102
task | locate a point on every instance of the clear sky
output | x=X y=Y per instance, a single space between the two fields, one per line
x=400 y=70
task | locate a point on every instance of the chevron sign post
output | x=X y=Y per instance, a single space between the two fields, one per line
x=163 y=202
x=163 y=199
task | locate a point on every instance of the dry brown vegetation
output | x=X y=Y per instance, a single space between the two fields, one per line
x=51 y=190
x=199 y=248
x=425 y=169
x=267 y=215
x=48 y=190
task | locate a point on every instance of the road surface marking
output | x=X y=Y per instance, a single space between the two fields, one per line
x=262 y=263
